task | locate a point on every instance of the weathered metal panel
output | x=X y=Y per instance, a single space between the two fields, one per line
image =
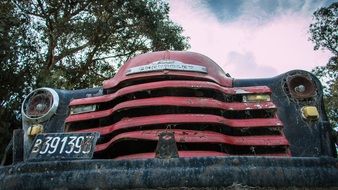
x=170 y=84
x=198 y=137
x=17 y=146
x=184 y=118
x=181 y=154
x=306 y=137
x=215 y=73
x=191 y=154
x=207 y=172
x=172 y=101
x=56 y=123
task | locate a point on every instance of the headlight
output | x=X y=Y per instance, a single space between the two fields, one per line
x=40 y=105
x=301 y=86
x=256 y=97
x=82 y=109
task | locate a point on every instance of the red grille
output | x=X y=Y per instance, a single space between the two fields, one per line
x=206 y=118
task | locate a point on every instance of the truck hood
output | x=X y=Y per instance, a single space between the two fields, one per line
x=214 y=73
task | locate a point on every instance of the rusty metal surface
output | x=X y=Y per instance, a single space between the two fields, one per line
x=172 y=101
x=181 y=154
x=56 y=122
x=207 y=172
x=166 y=146
x=306 y=137
x=154 y=90
x=116 y=131
x=191 y=154
x=301 y=86
x=192 y=136
x=312 y=164
x=215 y=73
x=17 y=153
x=184 y=118
x=169 y=84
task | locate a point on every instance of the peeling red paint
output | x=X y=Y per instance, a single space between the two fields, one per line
x=191 y=137
x=214 y=74
x=184 y=118
x=167 y=84
x=171 y=101
x=145 y=86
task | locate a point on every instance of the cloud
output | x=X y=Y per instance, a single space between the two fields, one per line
x=271 y=42
x=246 y=64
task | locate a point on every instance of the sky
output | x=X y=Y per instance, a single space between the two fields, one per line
x=251 y=38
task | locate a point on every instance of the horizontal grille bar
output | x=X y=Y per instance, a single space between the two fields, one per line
x=189 y=136
x=170 y=84
x=184 y=118
x=172 y=101
x=207 y=119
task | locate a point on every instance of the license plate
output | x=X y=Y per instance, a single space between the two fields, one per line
x=63 y=146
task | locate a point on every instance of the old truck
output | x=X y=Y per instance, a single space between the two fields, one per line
x=175 y=119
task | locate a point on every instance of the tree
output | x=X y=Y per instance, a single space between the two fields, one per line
x=16 y=68
x=324 y=33
x=71 y=44
x=79 y=39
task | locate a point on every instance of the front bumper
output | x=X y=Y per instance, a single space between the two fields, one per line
x=207 y=172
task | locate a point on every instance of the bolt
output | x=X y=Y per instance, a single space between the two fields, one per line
x=300 y=88
x=166 y=137
x=40 y=107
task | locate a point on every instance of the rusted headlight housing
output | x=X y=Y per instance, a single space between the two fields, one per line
x=82 y=109
x=40 y=105
x=301 y=86
x=256 y=97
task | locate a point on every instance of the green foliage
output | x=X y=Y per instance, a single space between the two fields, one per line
x=328 y=75
x=79 y=39
x=324 y=29
x=70 y=44
x=324 y=33
x=16 y=68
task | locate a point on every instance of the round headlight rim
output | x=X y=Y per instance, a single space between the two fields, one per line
x=301 y=79
x=49 y=113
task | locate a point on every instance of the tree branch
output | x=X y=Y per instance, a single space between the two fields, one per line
x=42 y=9
x=26 y=11
x=68 y=52
x=328 y=44
x=80 y=9
x=98 y=74
x=112 y=56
